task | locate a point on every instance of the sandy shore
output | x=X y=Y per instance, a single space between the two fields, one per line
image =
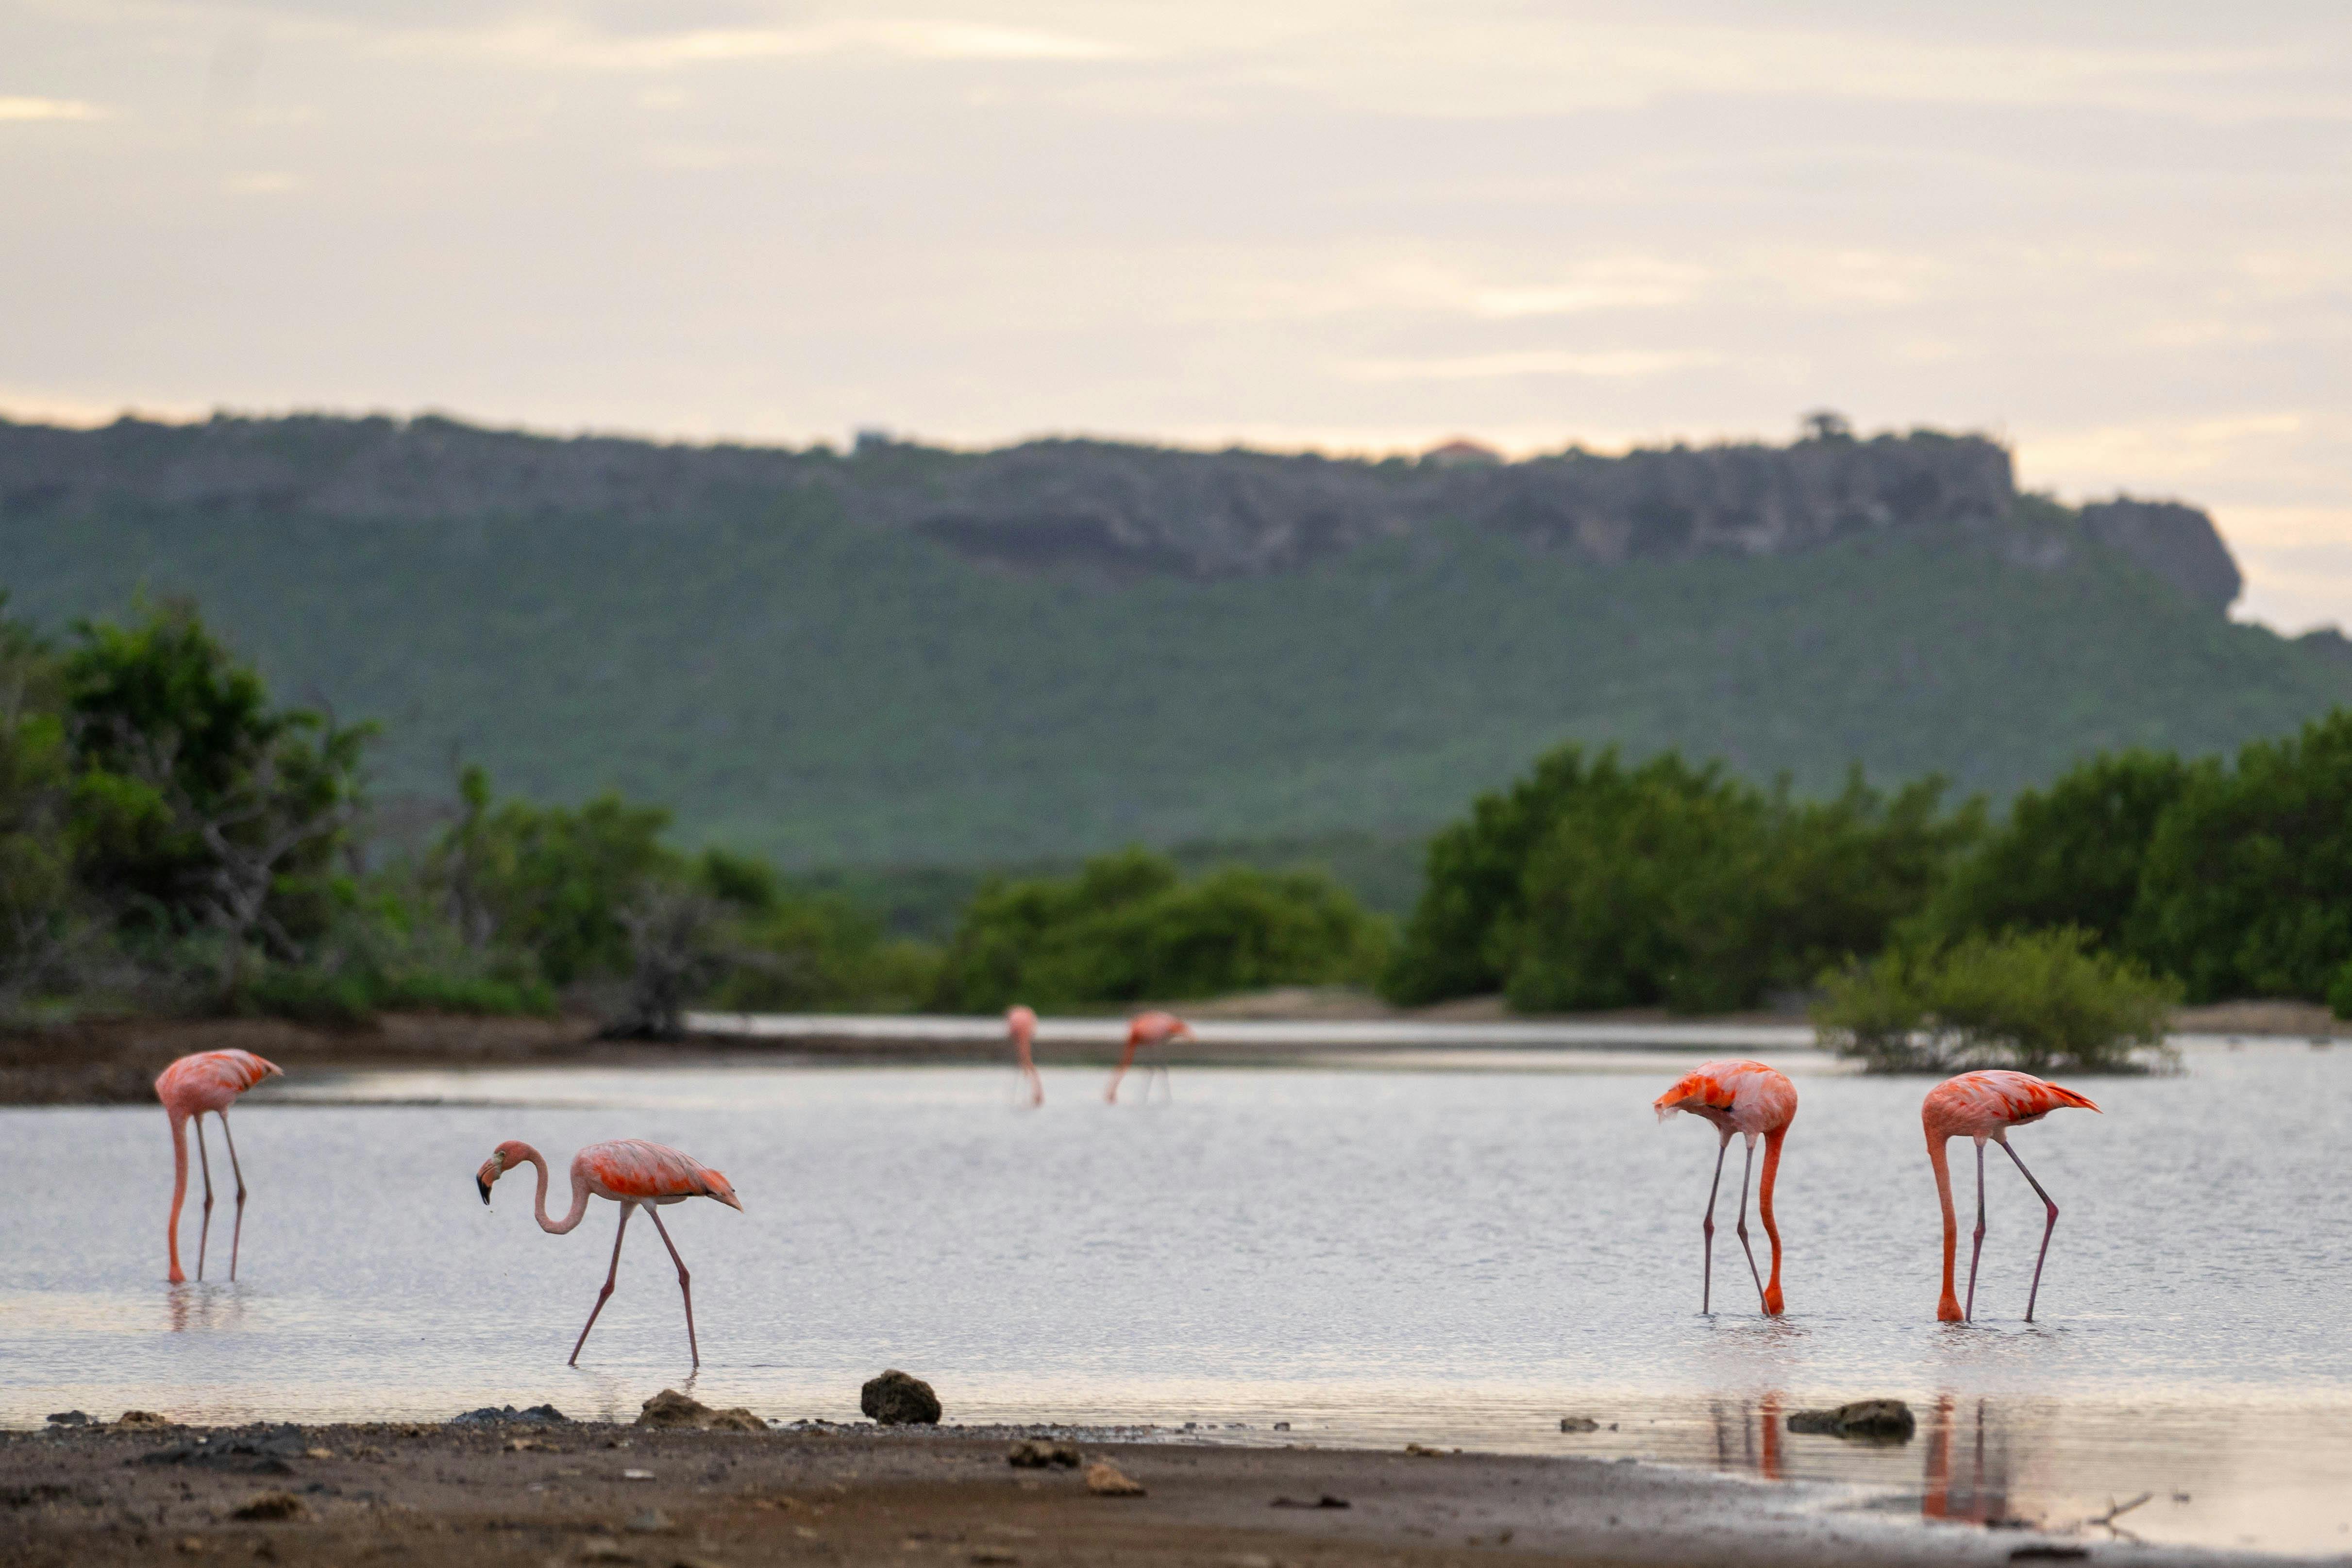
x=115 y=1060
x=516 y=1493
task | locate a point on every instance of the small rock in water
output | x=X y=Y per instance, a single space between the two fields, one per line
x=653 y=1521
x=141 y=1419
x=273 y=1505
x=1282 y=1426
x=897 y=1399
x=1037 y=1454
x=68 y=1418
x=1578 y=1424
x=1106 y=1479
x=1875 y=1420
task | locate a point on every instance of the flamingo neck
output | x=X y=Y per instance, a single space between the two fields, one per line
x=179 y=1188
x=1764 y=1211
x=538 y=1199
x=1947 y=1309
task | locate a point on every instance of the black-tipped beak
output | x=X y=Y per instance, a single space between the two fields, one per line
x=486 y=1190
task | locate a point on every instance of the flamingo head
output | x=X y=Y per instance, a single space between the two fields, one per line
x=1182 y=1031
x=716 y=1185
x=504 y=1156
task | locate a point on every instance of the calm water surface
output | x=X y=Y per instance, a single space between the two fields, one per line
x=1373 y=1255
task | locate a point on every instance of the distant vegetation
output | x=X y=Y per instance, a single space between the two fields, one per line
x=903 y=657
x=1128 y=929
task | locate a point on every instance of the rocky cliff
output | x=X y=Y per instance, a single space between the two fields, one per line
x=1102 y=508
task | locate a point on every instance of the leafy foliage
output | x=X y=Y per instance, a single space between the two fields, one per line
x=2036 y=1001
x=1593 y=885
x=2247 y=886
x=1130 y=929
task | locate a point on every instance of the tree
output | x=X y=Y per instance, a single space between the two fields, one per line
x=37 y=926
x=2247 y=884
x=2071 y=854
x=194 y=802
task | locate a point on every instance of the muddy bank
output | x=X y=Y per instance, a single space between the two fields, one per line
x=531 y=1493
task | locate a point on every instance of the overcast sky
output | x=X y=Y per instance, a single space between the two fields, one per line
x=2119 y=232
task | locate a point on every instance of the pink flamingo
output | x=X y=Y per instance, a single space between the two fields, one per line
x=630 y=1172
x=1147 y=1029
x=1982 y=1105
x=1747 y=1097
x=1022 y=1024
x=209 y=1080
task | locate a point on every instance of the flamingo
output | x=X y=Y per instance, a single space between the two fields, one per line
x=1146 y=1029
x=630 y=1172
x=1982 y=1105
x=1022 y=1024
x=209 y=1080
x=1747 y=1097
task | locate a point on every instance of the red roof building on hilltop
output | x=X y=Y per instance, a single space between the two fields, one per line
x=1460 y=453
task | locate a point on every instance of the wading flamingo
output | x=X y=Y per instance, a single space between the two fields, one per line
x=1746 y=1098
x=1982 y=1105
x=630 y=1172
x=1147 y=1029
x=209 y=1080
x=1022 y=1024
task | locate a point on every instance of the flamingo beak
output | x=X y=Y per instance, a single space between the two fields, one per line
x=486 y=1190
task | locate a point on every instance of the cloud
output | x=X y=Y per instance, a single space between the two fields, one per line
x=24 y=109
x=1607 y=365
x=568 y=45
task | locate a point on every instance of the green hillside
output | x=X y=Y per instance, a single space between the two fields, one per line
x=834 y=693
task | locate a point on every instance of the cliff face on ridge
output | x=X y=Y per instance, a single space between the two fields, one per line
x=1102 y=510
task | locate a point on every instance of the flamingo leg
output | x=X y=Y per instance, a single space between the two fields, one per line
x=1741 y=1228
x=1976 y=1248
x=684 y=1287
x=1706 y=1230
x=1110 y=1095
x=204 y=1230
x=2050 y=1226
x=610 y=1274
x=237 y=1232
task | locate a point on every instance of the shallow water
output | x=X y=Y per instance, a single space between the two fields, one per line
x=1371 y=1255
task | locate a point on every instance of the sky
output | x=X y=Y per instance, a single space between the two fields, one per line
x=2116 y=233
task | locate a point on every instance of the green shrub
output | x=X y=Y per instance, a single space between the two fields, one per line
x=1593 y=885
x=1128 y=929
x=2031 y=1000
x=2247 y=887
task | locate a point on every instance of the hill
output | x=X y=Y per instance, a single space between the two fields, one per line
x=904 y=654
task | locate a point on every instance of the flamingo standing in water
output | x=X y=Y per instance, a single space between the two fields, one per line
x=1982 y=1105
x=209 y=1080
x=1147 y=1029
x=630 y=1172
x=1747 y=1097
x=1021 y=1023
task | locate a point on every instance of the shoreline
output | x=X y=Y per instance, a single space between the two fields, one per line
x=113 y=1061
x=514 y=1491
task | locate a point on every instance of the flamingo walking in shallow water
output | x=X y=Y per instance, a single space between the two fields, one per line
x=1749 y=1099
x=631 y=1172
x=209 y=1080
x=1146 y=1029
x=1982 y=1105
x=1021 y=1023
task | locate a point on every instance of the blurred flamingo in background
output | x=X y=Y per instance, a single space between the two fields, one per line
x=630 y=1172
x=209 y=1080
x=1021 y=1023
x=1982 y=1105
x=1747 y=1097
x=1147 y=1029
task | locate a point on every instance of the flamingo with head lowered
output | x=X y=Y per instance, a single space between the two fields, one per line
x=1982 y=1105
x=1749 y=1099
x=631 y=1172
x=1146 y=1029
x=1021 y=1024
x=209 y=1080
